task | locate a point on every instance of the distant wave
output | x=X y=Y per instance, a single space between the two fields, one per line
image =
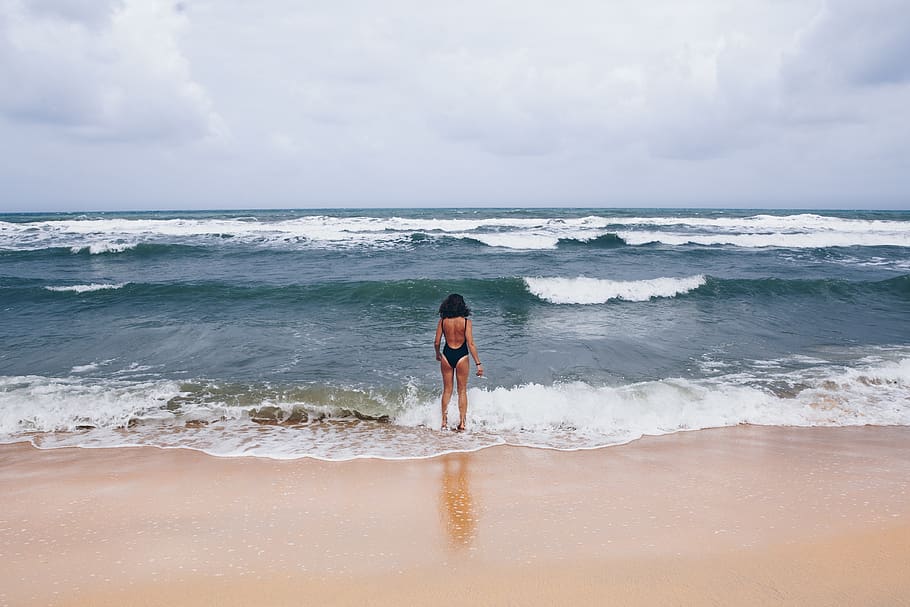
x=806 y=240
x=584 y=290
x=604 y=241
x=302 y=421
x=99 y=247
x=86 y=288
x=781 y=287
x=120 y=234
x=425 y=293
x=798 y=231
x=135 y=250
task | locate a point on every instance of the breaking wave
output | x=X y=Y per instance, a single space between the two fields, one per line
x=424 y=293
x=583 y=290
x=85 y=288
x=121 y=234
x=343 y=423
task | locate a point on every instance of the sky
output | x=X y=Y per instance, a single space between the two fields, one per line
x=221 y=104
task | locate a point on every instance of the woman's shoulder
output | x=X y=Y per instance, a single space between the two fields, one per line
x=457 y=320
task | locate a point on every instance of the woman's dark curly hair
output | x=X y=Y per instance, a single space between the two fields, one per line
x=453 y=306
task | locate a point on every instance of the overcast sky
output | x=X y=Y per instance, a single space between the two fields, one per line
x=145 y=104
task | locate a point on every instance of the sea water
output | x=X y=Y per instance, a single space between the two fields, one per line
x=309 y=333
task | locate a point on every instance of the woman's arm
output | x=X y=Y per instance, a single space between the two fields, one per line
x=438 y=339
x=469 y=337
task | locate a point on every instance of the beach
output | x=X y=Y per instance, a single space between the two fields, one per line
x=666 y=246
x=679 y=407
x=746 y=515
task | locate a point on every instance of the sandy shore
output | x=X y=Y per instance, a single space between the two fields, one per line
x=744 y=516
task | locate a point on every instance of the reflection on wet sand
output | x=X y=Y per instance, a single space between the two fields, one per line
x=456 y=504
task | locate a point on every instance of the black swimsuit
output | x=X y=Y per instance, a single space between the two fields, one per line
x=454 y=355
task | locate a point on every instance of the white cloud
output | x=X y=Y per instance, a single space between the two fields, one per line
x=91 y=12
x=283 y=143
x=481 y=101
x=854 y=44
x=846 y=75
x=101 y=70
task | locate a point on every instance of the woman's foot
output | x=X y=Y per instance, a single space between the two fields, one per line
x=445 y=424
x=460 y=427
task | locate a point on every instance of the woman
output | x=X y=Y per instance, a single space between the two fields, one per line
x=453 y=361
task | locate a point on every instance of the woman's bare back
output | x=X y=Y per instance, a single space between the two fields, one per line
x=454 y=331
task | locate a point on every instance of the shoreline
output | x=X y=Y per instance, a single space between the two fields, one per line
x=749 y=514
x=454 y=452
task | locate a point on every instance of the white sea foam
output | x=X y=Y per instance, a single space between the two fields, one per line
x=101 y=246
x=769 y=224
x=525 y=240
x=93 y=366
x=120 y=234
x=115 y=235
x=47 y=404
x=794 y=240
x=900 y=265
x=86 y=288
x=583 y=290
x=563 y=416
x=581 y=415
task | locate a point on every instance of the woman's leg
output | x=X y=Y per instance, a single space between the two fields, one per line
x=447 y=380
x=462 y=371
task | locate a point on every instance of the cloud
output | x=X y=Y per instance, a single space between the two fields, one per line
x=91 y=12
x=495 y=101
x=283 y=143
x=853 y=44
x=540 y=81
x=101 y=71
x=843 y=68
x=846 y=70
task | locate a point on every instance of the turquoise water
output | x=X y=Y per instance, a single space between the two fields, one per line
x=595 y=326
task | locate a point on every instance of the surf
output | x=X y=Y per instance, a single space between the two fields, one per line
x=605 y=229
x=337 y=422
x=583 y=290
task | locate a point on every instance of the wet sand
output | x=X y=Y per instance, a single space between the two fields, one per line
x=746 y=516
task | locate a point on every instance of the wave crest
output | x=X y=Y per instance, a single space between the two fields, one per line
x=583 y=290
x=86 y=288
x=339 y=423
x=101 y=247
x=336 y=423
x=119 y=234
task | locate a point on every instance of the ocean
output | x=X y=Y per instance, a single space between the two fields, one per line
x=291 y=334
